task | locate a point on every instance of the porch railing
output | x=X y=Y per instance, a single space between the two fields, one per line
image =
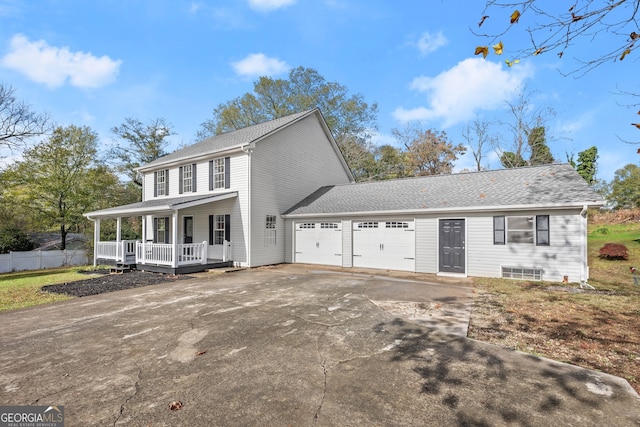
x=116 y=251
x=162 y=253
x=158 y=253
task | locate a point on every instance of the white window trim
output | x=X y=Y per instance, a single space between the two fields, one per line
x=187 y=178
x=218 y=173
x=270 y=230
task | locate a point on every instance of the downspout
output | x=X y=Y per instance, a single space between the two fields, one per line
x=248 y=149
x=584 y=268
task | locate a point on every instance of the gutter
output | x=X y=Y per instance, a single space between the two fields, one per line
x=443 y=210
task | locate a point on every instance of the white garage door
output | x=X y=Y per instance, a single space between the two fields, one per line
x=319 y=243
x=384 y=244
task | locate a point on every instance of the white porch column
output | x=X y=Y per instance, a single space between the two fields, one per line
x=119 y=248
x=118 y=229
x=96 y=240
x=174 y=239
x=144 y=241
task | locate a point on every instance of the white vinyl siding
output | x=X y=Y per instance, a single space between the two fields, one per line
x=427 y=245
x=286 y=168
x=561 y=258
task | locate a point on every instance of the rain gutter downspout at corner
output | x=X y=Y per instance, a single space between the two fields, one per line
x=248 y=149
x=584 y=267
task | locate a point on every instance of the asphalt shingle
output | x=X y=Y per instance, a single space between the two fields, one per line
x=548 y=185
x=228 y=140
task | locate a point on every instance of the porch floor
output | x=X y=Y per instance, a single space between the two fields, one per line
x=182 y=269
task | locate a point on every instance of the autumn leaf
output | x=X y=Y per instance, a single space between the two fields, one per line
x=484 y=50
x=498 y=48
x=636 y=125
x=511 y=63
x=482 y=20
x=625 y=53
x=538 y=51
x=634 y=35
x=515 y=16
x=176 y=405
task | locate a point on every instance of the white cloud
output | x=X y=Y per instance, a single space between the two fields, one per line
x=429 y=43
x=267 y=5
x=258 y=64
x=455 y=95
x=54 y=66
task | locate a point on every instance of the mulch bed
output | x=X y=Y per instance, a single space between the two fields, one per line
x=111 y=282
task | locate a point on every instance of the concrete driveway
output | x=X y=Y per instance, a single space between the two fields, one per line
x=289 y=346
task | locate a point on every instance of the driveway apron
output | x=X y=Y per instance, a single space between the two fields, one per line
x=285 y=346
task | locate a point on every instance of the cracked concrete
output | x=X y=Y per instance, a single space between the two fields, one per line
x=289 y=346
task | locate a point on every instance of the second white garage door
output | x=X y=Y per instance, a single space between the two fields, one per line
x=319 y=243
x=384 y=244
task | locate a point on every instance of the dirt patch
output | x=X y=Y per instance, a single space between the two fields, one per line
x=111 y=282
x=593 y=329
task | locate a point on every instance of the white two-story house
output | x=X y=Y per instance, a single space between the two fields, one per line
x=220 y=201
x=281 y=192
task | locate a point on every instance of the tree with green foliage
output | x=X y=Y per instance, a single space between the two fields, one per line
x=624 y=190
x=139 y=144
x=427 y=152
x=586 y=165
x=390 y=162
x=60 y=179
x=350 y=118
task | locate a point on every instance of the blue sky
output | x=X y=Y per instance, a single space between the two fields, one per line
x=96 y=63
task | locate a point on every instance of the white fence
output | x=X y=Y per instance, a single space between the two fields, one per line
x=38 y=260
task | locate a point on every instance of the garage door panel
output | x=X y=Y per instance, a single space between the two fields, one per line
x=384 y=244
x=319 y=243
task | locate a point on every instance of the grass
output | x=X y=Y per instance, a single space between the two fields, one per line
x=23 y=289
x=594 y=329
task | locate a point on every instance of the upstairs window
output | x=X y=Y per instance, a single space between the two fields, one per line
x=161 y=183
x=187 y=177
x=219 y=173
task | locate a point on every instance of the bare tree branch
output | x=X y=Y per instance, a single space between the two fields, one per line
x=17 y=121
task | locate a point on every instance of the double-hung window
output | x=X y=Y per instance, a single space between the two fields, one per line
x=219 y=229
x=161 y=183
x=187 y=176
x=161 y=230
x=219 y=173
x=521 y=229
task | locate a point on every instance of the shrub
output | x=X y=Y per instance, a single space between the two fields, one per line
x=13 y=239
x=614 y=251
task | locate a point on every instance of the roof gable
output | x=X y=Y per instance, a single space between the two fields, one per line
x=538 y=186
x=229 y=140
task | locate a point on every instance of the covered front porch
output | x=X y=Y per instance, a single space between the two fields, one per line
x=165 y=251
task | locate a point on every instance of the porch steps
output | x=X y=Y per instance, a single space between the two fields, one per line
x=121 y=268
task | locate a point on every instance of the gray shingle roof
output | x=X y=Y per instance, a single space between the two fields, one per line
x=229 y=139
x=538 y=186
x=162 y=203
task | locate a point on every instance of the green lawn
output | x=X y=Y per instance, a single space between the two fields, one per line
x=616 y=272
x=22 y=289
